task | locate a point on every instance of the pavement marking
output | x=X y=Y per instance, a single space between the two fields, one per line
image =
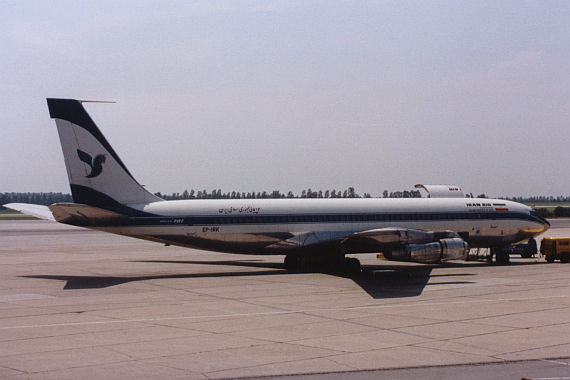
x=23 y=297
x=284 y=312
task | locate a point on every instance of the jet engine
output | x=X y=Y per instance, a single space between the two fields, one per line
x=430 y=253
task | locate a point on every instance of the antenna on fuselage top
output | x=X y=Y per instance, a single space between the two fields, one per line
x=96 y=101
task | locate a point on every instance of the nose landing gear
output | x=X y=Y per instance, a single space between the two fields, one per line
x=526 y=250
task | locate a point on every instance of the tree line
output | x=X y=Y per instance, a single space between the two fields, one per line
x=45 y=199
x=51 y=198
x=308 y=193
x=542 y=199
x=557 y=212
x=348 y=193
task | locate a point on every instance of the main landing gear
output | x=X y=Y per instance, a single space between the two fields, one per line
x=502 y=256
x=321 y=263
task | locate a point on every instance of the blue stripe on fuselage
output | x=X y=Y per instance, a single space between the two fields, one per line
x=329 y=218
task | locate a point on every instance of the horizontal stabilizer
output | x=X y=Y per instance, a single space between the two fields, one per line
x=39 y=211
x=83 y=215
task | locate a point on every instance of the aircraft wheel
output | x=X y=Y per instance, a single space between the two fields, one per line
x=292 y=263
x=549 y=258
x=353 y=265
x=502 y=257
x=533 y=247
x=491 y=254
x=307 y=264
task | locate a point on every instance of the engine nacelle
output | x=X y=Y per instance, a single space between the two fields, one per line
x=430 y=253
x=454 y=249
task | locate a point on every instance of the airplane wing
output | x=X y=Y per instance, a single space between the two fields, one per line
x=39 y=211
x=397 y=235
x=401 y=244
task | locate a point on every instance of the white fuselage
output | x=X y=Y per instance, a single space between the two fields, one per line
x=275 y=226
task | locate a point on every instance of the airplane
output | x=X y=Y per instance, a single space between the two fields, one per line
x=310 y=233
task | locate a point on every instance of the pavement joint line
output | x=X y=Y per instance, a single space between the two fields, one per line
x=452 y=341
x=539 y=359
x=518 y=353
x=312 y=312
x=515 y=354
x=277 y=312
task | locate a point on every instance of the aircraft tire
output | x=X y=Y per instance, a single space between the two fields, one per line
x=352 y=265
x=292 y=263
x=502 y=257
x=300 y=263
x=306 y=264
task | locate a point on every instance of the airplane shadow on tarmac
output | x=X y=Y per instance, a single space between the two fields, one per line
x=379 y=281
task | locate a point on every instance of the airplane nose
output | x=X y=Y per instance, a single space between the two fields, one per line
x=545 y=224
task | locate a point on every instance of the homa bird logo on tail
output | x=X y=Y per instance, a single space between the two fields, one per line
x=96 y=163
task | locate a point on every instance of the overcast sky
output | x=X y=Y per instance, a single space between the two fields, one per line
x=289 y=95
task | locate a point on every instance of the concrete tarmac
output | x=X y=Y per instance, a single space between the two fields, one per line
x=76 y=303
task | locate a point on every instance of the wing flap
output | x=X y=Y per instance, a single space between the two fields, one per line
x=403 y=235
x=309 y=240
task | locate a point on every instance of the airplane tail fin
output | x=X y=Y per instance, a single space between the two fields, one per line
x=97 y=175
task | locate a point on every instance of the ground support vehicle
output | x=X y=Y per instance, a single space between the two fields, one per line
x=526 y=250
x=555 y=249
